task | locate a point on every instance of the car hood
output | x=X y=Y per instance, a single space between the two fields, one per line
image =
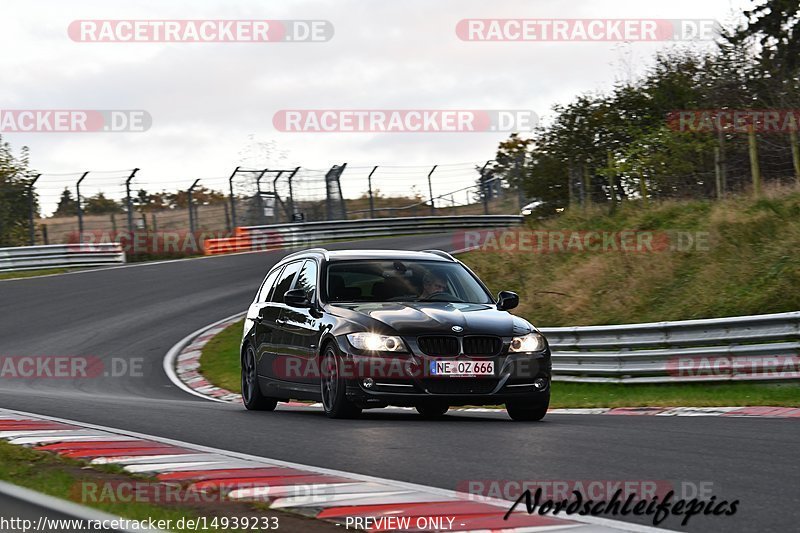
x=421 y=318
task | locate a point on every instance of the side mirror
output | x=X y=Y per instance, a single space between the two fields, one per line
x=507 y=300
x=296 y=298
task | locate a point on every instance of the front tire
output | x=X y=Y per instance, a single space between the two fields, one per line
x=251 y=393
x=334 y=387
x=528 y=411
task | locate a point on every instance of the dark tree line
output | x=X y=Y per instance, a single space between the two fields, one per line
x=620 y=144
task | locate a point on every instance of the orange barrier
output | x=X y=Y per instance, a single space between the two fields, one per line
x=244 y=242
x=227 y=245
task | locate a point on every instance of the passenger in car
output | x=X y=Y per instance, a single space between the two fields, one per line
x=432 y=283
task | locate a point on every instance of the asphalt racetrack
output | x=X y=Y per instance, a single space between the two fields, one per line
x=129 y=318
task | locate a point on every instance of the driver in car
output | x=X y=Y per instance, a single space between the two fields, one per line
x=432 y=284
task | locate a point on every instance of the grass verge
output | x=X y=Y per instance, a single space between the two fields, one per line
x=220 y=365
x=33 y=273
x=566 y=395
x=63 y=478
x=747 y=262
x=219 y=362
x=99 y=487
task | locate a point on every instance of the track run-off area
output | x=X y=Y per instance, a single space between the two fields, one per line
x=125 y=319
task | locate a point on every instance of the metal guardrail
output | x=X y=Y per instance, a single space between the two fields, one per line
x=307 y=233
x=60 y=256
x=745 y=348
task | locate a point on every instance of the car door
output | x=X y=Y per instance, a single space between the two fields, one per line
x=269 y=323
x=300 y=327
x=259 y=335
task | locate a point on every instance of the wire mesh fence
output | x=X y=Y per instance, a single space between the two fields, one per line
x=77 y=206
x=97 y=205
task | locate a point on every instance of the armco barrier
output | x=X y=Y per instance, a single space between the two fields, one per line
x=308 y=233
x=745 y=348
x=60 y=256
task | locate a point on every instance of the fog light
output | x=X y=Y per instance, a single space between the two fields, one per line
x=540 y=383
x=368 y=383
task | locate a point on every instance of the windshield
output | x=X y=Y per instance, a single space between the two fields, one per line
x=403 y=281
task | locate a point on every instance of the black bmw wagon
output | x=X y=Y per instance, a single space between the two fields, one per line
x=361 y=329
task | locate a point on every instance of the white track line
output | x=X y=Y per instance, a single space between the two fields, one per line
x=172 y=355
x=401 y=487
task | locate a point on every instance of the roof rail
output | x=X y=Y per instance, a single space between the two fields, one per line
x=318 y=250
x=322 y=251
x=441 y=253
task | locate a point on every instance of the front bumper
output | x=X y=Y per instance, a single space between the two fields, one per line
x=403 y=379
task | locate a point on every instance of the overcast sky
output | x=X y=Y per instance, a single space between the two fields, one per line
x=207 y=99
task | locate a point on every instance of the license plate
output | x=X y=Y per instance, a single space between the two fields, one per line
x=462 y=368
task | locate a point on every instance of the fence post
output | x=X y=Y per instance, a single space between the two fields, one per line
x=44 y=234
x=233 y=198
x=31 y=207
x=720 y=165
x=333 y=192
x=430 y=189
x=189 y=200
x=260 y=198
x=291 y=193
x=258 y=181
x=587 y=185
x=485 y=188
x=755 y=169
x=277 y=196
x=718 y=172
x=113 y=222
x=643 y=189
x=570 y=180
x=371 y=200
x=795 y=153
x=80 y=208
x=128 y=199
x=612 y=181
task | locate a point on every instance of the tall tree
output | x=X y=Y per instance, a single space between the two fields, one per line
x=67 y=205
x=14 y=187
x=773 y=27
x=99 y=205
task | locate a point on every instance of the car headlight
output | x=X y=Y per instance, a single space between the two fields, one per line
x=532 y=342
x=373 y=342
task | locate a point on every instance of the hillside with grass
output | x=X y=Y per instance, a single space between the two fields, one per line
x=750 y=265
